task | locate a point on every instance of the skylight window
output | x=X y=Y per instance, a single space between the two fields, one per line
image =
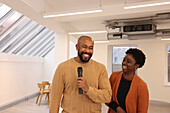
x=4 y=9
x=22 y=36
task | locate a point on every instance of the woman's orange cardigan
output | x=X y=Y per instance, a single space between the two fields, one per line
x=137 y=98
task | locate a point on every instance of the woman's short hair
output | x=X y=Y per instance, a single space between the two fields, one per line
x=138 y=55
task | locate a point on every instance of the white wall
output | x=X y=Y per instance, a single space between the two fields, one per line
x=61 y=47
x=55 y=56
x=19 y=76
x=153 y=71
x=72 y=47
x=99 y=53
x=49 y=66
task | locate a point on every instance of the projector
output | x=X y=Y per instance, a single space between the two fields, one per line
x=139 y=29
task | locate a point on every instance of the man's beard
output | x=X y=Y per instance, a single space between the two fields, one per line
x=81 y=56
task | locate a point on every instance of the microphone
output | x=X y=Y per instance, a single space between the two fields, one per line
x=80 y=70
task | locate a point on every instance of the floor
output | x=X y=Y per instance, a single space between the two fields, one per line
x=159 y=108
x=30 y=106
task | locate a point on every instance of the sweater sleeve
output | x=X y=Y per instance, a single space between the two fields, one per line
x=113 y=105
x=56 y=90
x=143 y=99
x=103 y=93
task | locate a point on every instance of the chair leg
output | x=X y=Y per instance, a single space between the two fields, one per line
x=40 y=99
x=46 y=96
x=37 y=97
x=48 y=100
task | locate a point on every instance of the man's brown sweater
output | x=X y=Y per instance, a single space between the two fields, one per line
x=65 y=82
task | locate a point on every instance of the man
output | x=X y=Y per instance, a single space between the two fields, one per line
x=94 y=82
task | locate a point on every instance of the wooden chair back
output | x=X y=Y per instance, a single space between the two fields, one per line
x=41 y=86
x=46 y=83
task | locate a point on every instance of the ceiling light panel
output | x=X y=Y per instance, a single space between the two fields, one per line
x=89 y=32
x=69 y=13
x=146 y=4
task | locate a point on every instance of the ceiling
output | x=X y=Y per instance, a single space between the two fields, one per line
x=112 y=9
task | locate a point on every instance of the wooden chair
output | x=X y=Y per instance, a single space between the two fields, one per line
x=41 y=92
x=47 y=86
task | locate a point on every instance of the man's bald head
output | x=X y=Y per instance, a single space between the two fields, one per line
x=84 y=38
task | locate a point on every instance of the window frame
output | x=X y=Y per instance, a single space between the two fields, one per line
x=166 y=83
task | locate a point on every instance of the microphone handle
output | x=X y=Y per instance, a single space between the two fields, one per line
x=80 y=75
x=80 y=91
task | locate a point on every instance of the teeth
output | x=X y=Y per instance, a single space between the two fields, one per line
x=86 y=55
x=124 y=67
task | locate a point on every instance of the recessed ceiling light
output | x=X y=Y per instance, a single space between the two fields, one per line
x=89 y=32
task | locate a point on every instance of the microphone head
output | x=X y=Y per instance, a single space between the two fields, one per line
x=79 y=69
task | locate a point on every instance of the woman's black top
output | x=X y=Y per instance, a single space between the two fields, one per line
x=123 y=89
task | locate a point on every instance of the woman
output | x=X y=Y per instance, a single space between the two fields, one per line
x=130 y=92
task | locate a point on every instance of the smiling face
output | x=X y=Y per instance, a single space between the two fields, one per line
x=129 y=64
x=85 y=49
